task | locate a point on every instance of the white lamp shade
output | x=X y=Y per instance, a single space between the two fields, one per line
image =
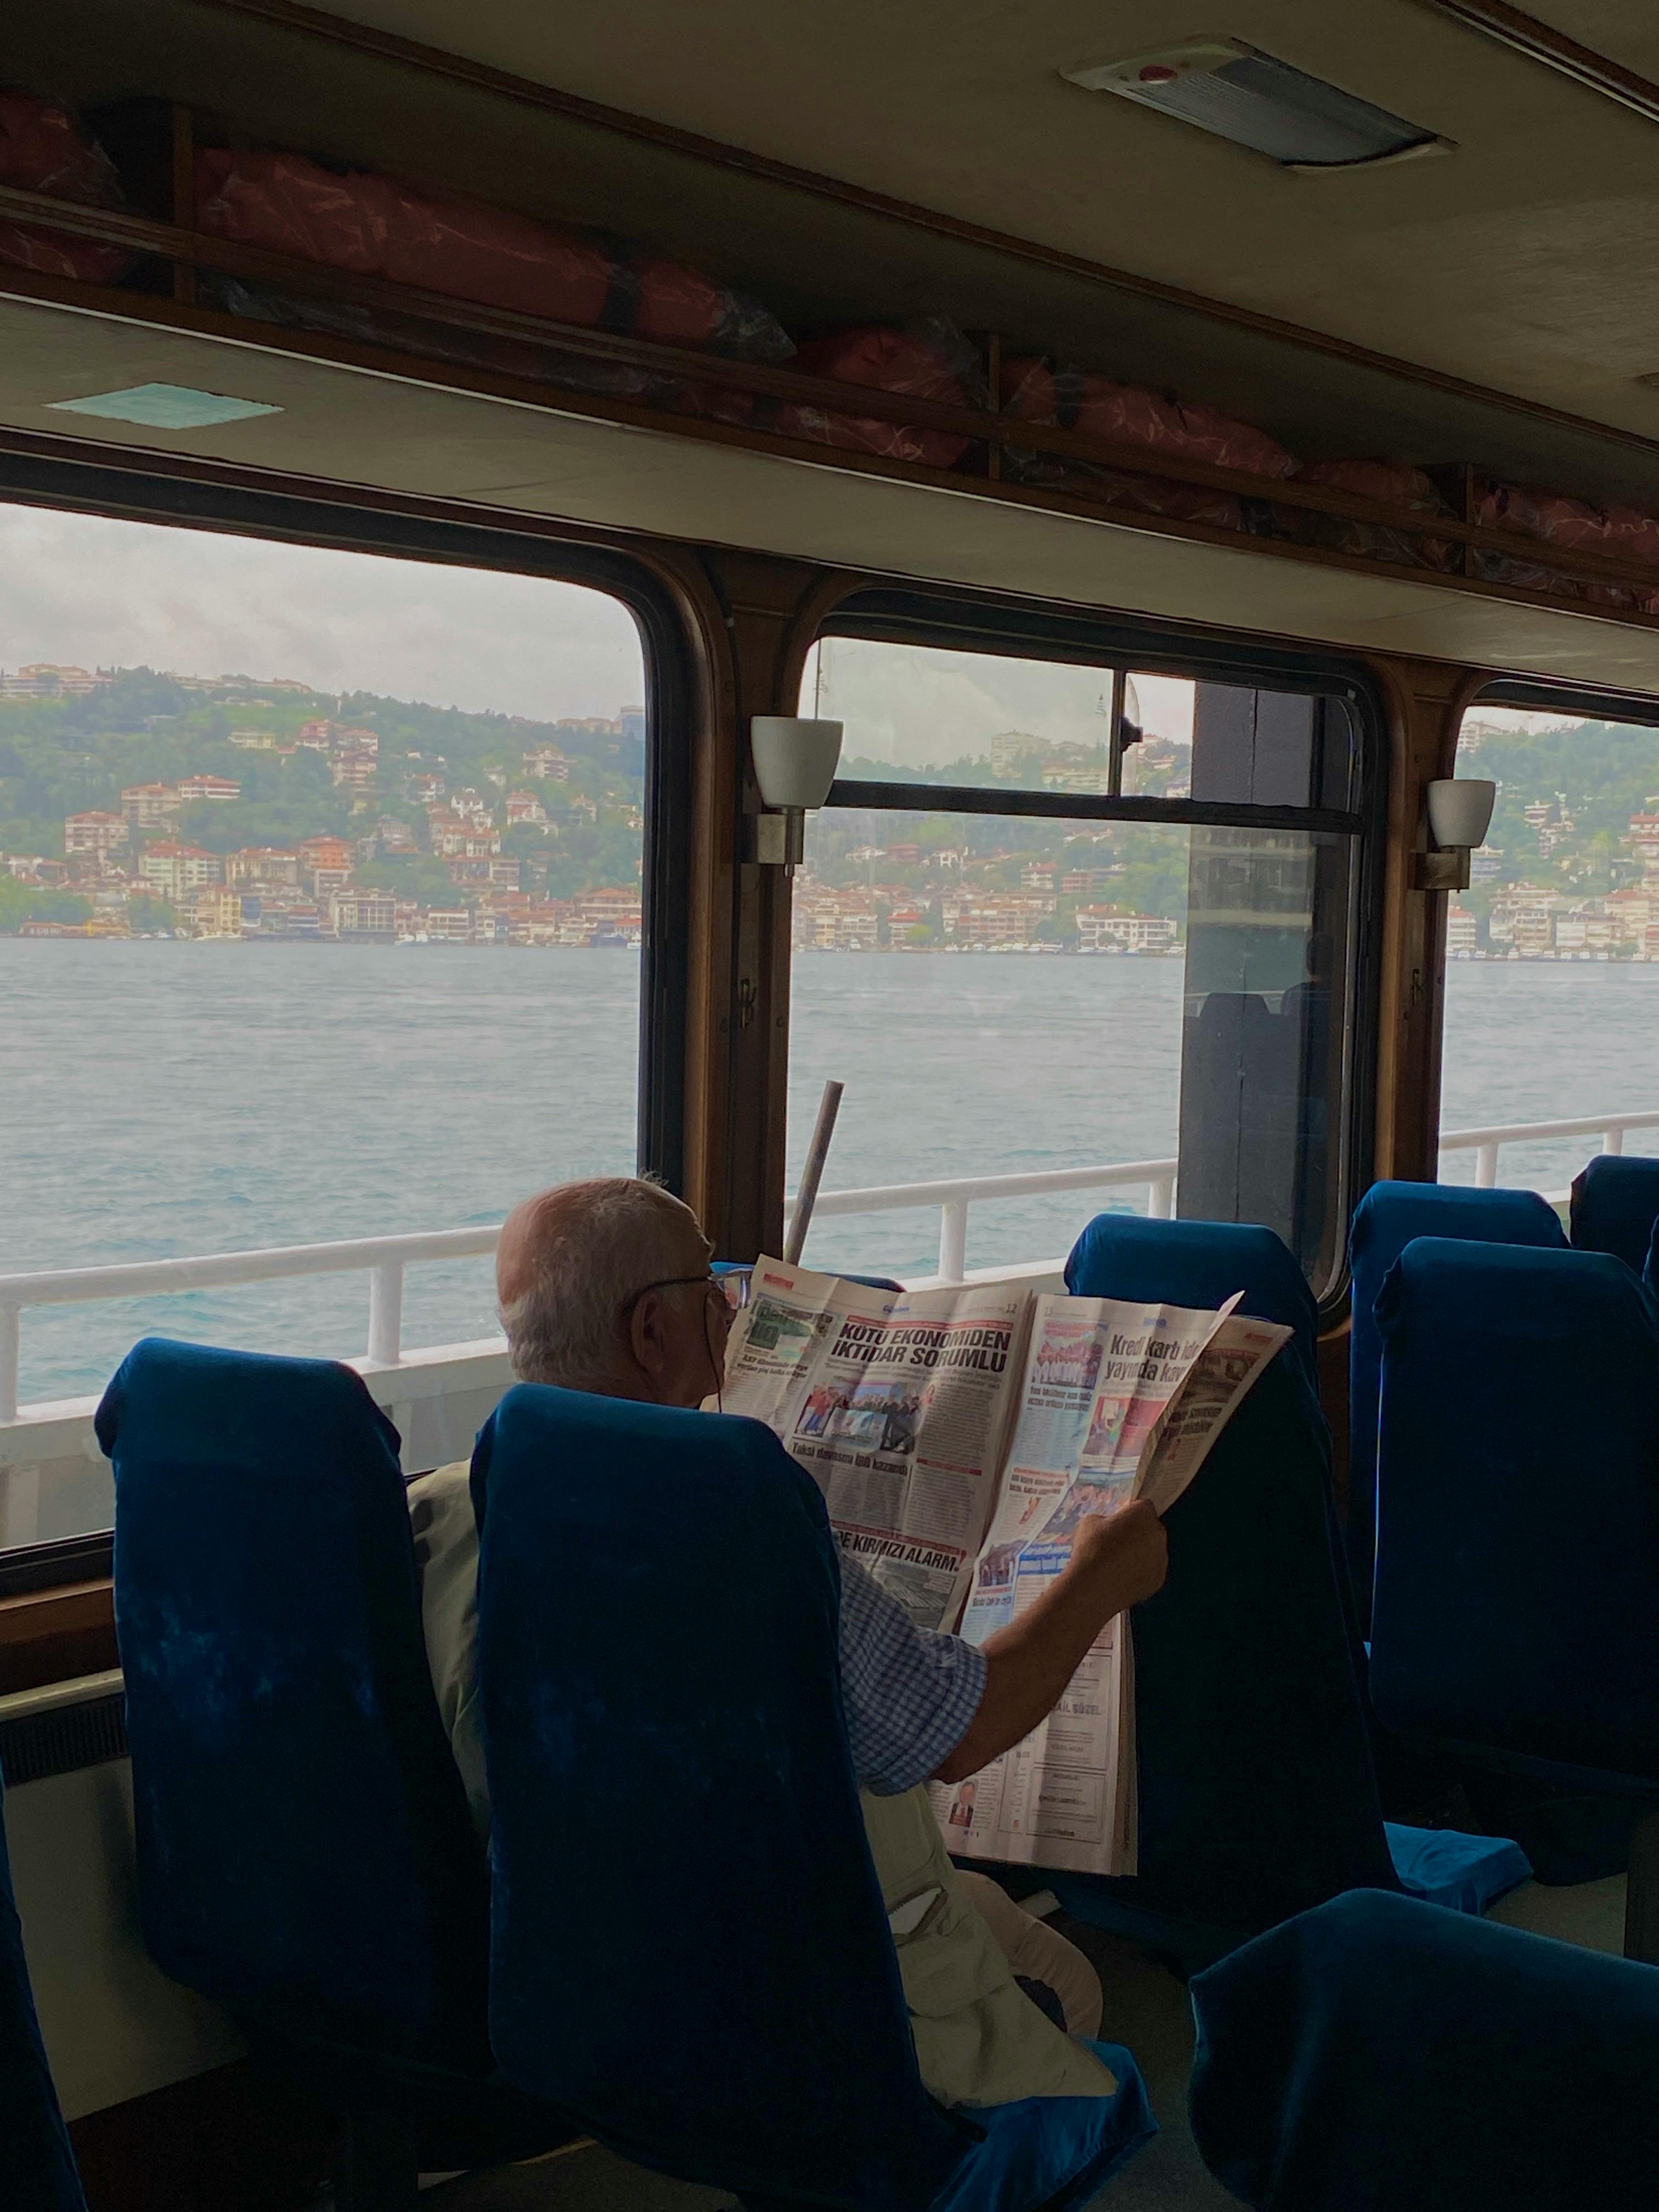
x=795 y=759
x=1460 y=812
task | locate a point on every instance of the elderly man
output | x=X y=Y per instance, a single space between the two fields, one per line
x=604 y=1286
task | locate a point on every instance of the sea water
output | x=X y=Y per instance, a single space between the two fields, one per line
x=160 y=1098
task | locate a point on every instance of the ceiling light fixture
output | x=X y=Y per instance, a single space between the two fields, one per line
x=165 y=406
x=1238 y=93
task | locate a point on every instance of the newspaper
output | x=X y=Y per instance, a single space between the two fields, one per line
x=898 y=1405
x=961 y=1437
x=1117 y=1401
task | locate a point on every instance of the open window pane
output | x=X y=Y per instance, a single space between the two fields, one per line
x=320 y=919
x=990 y=721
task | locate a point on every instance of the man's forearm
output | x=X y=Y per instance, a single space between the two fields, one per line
x=1029 y=1663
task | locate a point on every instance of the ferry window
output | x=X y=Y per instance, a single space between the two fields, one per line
x=1170 y=890
x=1552 y=995
x=320 y=919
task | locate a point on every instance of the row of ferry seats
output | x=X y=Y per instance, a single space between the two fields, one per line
x=1516 y=1601
x=1258 y=1797
x=684 y=1951
x=305 y=1855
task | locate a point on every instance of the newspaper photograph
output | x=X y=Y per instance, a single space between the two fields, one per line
x=897 y=1404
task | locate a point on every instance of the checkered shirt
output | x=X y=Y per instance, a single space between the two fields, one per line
x=909 y=1692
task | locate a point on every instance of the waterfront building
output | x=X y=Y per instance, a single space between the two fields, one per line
x=1463 y=933
x=982 y=919
x=268 y=866
x=449 y=925
x=216 y=910
x=171 y=871
x=1106 y=929
x=363 y=914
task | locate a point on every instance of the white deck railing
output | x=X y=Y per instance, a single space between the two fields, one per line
x=384 y=1259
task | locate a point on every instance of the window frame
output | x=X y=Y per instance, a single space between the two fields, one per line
x=998 y=627
x=192 y=497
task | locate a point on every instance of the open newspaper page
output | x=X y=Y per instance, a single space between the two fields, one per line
x=897 y=1404
x=1118 y=1400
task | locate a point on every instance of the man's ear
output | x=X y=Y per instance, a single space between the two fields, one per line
x=645 y=1332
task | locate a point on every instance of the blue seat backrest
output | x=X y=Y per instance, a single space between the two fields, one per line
x=37 y=2166
x=304 y=1847
x=1381 y=2053
x=1517 y=1583
x=1258 y=1797
x=677 y=1831
x=1385 y=1221
x=1615 y=1207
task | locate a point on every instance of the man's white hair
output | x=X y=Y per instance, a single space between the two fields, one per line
x=593 y=1246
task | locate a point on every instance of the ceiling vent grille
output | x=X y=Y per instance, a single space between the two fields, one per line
x=1240 y=94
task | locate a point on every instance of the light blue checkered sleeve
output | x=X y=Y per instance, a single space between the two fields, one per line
x=909 y=1692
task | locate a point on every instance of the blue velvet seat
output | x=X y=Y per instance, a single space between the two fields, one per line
x=1516 y=1624
x=1616 y=1207
x=1258 y=1794
x=1378 y=2054
x=306 y=1856
x=37 y=2166
x=1385 y=1221
x=676 y=1833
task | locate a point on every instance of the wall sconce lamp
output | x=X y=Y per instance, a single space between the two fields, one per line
x=1460 y=814
x=795 y=760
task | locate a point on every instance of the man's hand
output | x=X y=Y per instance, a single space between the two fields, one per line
x=1127 y=1554
x=1117 y=1560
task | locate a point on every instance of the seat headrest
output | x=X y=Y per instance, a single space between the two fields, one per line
x=1197 y=1264
x=1391 y=1213
x=217 y=1405
x=1615 y=1207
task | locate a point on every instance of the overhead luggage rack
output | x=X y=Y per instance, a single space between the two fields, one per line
x=1276 y=512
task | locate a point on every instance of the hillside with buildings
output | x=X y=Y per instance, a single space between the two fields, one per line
x=1571 y=864
x=133 y=802
x=985 y=881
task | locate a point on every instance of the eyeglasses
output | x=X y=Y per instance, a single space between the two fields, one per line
x=714 y=1287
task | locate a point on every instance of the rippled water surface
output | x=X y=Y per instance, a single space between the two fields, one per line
x=159 y=1098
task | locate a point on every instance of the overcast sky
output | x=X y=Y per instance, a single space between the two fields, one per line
x=918 y=707
x=93 y=592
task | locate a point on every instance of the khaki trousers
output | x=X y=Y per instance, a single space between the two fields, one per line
x=1039 y=1951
